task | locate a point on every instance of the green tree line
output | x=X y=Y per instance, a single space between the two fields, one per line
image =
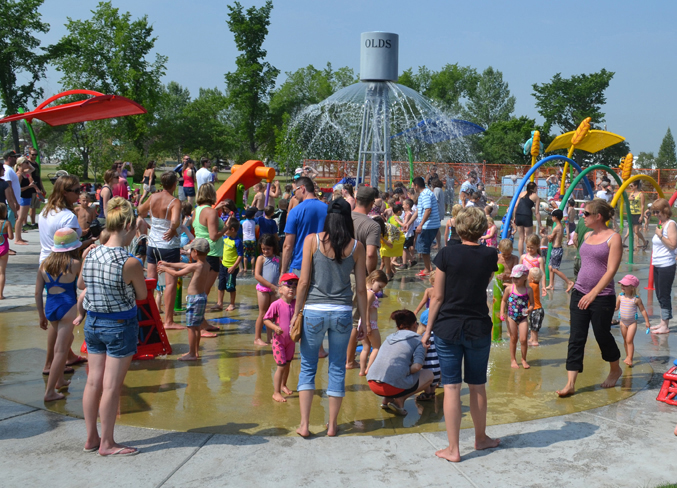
x=249 y=113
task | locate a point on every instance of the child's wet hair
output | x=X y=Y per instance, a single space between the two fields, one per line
x=377 y=276
x=535 y=274
x=186 y=208
x=271 y=240
x=269 y=211
x=505 y=246
x=404 y=319
x=534 y=240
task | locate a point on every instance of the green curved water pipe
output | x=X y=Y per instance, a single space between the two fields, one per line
x=570 y=190
x=411 y=166
x=34 y=140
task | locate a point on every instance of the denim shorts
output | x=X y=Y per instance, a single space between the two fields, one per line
x=472 y=354
x=25 y=202
x=115 y=338
x=425 y=240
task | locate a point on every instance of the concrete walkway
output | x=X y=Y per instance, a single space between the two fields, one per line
x=630 y=443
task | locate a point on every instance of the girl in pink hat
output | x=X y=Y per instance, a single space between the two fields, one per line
x=58 y=276
x=627 y=304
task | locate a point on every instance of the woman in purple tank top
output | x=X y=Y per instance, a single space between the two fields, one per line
x=593 y=298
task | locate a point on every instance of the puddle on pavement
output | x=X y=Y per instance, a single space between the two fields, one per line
x=230 y=390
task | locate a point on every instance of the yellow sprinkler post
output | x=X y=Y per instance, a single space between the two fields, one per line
x=535 y=150
x=580 y=134
x=626 y=172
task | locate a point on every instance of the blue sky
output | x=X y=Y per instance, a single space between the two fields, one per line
x=528 y=41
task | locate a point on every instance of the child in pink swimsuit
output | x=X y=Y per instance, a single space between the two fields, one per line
x=376 y=281
x=5 y=235
x=277 y=320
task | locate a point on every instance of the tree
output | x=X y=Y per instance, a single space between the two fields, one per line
x=18 y=59
x=449 y=87
x=645 y=160
x=666 y=153
x=565 y=102
x=490 y=101
x=209 y=127
x=251 y=84
x=503 y=141
x=109 y=53
x=170 y=128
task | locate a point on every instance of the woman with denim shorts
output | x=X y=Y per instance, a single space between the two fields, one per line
x=459 y=316
x=325 y=296
x=113 y=281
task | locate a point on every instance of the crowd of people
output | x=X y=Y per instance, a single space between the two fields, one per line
x=321 y=259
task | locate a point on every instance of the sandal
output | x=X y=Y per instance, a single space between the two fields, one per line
x=397 y=410
x=118 y=453
x=425 y=397
x=66 y=370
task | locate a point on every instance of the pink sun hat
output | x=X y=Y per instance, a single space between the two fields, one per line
x=629 y=280
x=65 y=240
x=518 y=271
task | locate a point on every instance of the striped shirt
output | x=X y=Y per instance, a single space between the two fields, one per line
x=106 y=290
x=427 y=200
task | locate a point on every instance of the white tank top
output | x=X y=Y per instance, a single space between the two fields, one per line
x=158 y=227
x=662 y=256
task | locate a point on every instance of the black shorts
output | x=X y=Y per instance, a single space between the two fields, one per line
x=214 y=263
x=167 y=255
x=409 y=242
x=189 y=191
x=524 y=220
x=228 y=281
x=635 y=218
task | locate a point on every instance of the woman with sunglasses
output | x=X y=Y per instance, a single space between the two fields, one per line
x=663 y=259
x=58 y=214
x=593 y=299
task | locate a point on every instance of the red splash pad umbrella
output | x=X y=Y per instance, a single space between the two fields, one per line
x=98 y=107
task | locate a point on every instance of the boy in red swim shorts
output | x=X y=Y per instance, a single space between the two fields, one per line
x=277 y=319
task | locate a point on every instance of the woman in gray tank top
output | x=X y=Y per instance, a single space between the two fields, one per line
x=325 y=296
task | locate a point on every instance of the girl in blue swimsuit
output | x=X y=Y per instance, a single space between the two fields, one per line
x=58 y=277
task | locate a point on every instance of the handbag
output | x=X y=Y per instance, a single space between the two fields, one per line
x=296 y=328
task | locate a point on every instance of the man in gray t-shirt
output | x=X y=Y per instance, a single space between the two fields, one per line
x=368 y=233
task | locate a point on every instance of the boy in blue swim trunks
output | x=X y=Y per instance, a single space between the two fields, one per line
x=196 y=299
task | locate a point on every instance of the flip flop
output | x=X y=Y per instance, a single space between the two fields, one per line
x=79 y=360
x=66 y=370
x=91 y=449
x=397 y=410
x=119 y=453
x=425 y=397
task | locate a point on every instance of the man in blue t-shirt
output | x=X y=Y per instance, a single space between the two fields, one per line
x=428 y=213
x=305 y=218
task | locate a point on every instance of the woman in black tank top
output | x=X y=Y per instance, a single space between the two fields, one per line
x=524 y=214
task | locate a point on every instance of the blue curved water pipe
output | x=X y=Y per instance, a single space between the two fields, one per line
x=525 y=180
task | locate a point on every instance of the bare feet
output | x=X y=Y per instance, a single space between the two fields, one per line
x=63 y=385
x=362 y=373
x=352 y=365
x=173 y=326
x=486 y=443
x=534 y=344
x=322 y=353
x=212 y=328
x=303 y=432
x=611 y=380
x=204 y=333
x=260 y=342
x=332 y=431
x=78 y=320
x=514 y=365
x=567 y=391
x=53 y=396
x=660 y=330
x=21 y=242
x=230 y=308
x=525 y=365
x=450 y=455
x=628 y=361
x=188 y=357
x=550 y=288
x=570 y=286
x=286 y=390
x=279 y=398
x=216 y=308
